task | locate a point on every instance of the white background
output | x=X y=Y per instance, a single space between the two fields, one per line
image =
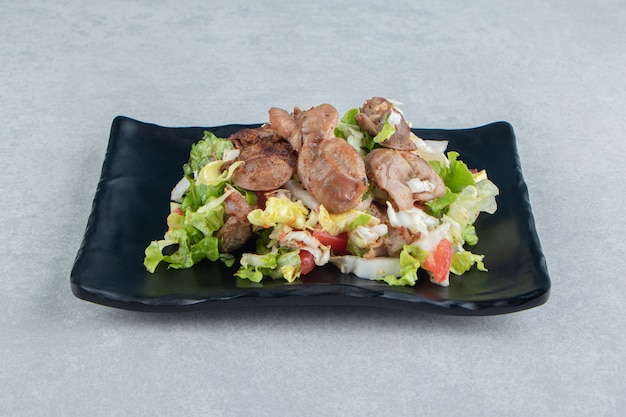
x=553 y=69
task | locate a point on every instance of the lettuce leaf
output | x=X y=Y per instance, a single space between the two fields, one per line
x=343 y=222
x=411 y=259
x=465 y=197
x=154 y=253
x=348 y=129
x=385 y=133
x=455 y=175
x=349 y=118
x=469 y=235
x=471 y=201
x=191 y=247
x=438 y=206
x=192 y=226
x=280 y=210
x=282 y=264
x=208 y=149
x=464 y=260
x=212 y=174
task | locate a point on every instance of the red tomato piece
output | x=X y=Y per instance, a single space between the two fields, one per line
x=307 y=262
x=439 y=261
x=178 y=211
x=338 y=244
x=261 y=199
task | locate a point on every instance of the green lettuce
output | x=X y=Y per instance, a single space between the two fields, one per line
x=438 y=206
x=464 y=260
x=348 y=129
x=456 y=175
x=465 y=198
x=154 y=253
x=469 y=235
x=385 y=133
x=411 y=259
x=279 y=210
x=192 y=232
x=208 y=149
x=349 y=118
x=189 y=250
x=472 y=200
x=282 y=264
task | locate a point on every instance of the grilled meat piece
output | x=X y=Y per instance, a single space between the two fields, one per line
x=393 y=242
x=315 y=123
x=391 y=171
x=286 y=126
x=336 y=177
x=328 y=167
x=269 y=160
x=236 y=229
x=422 y=171
x=372 y=116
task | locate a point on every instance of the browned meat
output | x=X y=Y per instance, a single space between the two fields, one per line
x=337 y=176
x=422 y=170
x=329 y=168
x=269 y=160
x=316 y=125
x=286 y=126
x=309 y=153
x=391 y=170
x=317 y=122
x=392 y=243
x=395 y=240
x=372 y=116
x=236 y=229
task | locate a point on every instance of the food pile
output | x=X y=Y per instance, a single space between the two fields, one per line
x=362 y=192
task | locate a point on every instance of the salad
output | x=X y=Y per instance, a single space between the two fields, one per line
x=309 y=188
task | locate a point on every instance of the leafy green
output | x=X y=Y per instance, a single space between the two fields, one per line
x=469 y=235
x=385 y=133
x=348 y=129
x=195 y=227
x=471 y=201
x=208 y=149
x=455 y=175
x=279 y=210
x=438 y=206
x=154 y=254
x=349 y=117
x=464 y=260
x=411 y=259
x=191 y=245
x=281 y=264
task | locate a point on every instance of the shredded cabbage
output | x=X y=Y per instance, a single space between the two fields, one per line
x=280 y=211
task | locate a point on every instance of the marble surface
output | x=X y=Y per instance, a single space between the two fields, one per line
x=553 y=69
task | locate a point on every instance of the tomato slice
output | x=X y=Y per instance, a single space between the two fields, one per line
x=307 y=261
x=338 y=244
x=261 y=199
x=438 y=262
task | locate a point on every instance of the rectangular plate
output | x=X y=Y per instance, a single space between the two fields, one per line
x=144 y=161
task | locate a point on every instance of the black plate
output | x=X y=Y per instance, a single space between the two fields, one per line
x=144 y=161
